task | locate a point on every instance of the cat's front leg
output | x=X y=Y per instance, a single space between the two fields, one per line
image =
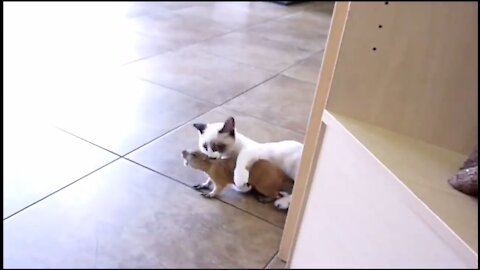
x=240 y=177
x=241 y=173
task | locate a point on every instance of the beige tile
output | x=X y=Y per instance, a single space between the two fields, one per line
x=316 y=19
x=307 y=70
x=121 y=113
x=266 y=9
x=40 y=160
x=174 y=5
x=255 y=50
x=282 y=101
x=299 y=31
x=163 y=155
x=175 y=31
x=107 y=39
x=198 y=74
x=314 y=7
x=134 y=9
x=125 y=216
x=276 y=263
x=232 y=15
x=125 y=47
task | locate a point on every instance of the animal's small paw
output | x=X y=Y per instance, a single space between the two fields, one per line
x=240 y=177
x=207 y=195
x=282 y=203
x=200 y=186
x=243 y=189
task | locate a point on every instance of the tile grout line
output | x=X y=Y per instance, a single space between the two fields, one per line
x=273 y=75
x=168 y=132
x=230 y=31
x=176 y=128
x=216 y=107
x=230 y=99
x=189 y=187
x=87 y=141
x=199 y=99
x=299 y=61
x=140 y=146
x=271 y=259
x=62 y=188
x=258 y=118
x=178 y=91
x=183 y=124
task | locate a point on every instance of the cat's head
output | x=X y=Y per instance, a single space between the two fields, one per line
x=216 y=139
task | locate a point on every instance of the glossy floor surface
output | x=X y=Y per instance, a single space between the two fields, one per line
x=99 y=100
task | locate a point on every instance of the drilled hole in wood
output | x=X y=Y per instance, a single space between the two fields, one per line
x=386 y=3
x=380 y=26
x=374 y=48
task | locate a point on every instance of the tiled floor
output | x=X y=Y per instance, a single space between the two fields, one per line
x=99 y=99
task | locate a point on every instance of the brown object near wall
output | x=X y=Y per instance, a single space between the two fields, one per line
x=466 y=180
x=472 y=160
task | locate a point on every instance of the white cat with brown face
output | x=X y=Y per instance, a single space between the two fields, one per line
x=219 y=140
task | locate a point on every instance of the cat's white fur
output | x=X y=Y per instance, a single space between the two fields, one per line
x=285 y=154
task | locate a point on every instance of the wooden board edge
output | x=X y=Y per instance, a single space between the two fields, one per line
x=314 y=131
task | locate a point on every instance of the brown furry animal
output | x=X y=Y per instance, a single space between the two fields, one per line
x=266 y=178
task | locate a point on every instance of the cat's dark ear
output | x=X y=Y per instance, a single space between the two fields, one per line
x=200 y=127
x=228 y=127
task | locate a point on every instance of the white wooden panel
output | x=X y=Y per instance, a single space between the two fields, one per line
x=359 y=215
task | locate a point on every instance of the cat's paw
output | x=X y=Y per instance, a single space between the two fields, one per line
x=283 y=203
x=240 y=177
x=243 y=189
x=199 y=186
x=207 y=195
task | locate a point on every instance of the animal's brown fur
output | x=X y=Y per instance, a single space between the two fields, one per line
x=265 y=177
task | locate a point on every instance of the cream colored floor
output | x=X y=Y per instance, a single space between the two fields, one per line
x=99 y=99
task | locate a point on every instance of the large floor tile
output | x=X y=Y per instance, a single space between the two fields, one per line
x=39 y=160
x=283 y=101
x=68 y=40
x=275 y=263
x=315 y=6
x=199 y=74
x=122 y=113
x=140 y=8
x=174 y=5
x=315 y=18
x=253 y=49
x=122 y=48
x=296 y=33
x=307 y=70
x=262 y=8
x=164 y=156
x=125 y=216
x=232 y=15
x=178 y=30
